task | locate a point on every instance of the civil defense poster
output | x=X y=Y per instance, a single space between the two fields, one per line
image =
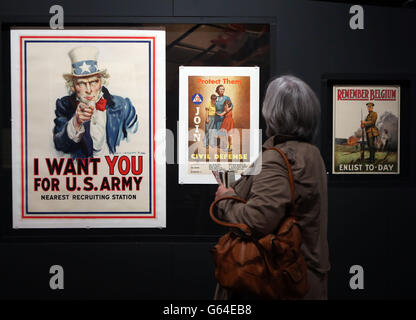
x=366 y=129
x=218 y=125
x=86 y=107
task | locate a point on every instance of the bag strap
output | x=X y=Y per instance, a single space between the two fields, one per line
x=290 y=174
x=243 y=227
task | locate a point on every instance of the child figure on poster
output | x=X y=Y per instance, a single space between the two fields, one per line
x=384 y=140
x=228 y=123
x=210 y=129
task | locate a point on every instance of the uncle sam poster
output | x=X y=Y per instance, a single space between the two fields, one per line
x=87 y=106
x=366 y=125
x=218 y=121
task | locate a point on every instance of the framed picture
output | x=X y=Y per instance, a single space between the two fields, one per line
x=86 y=107
x=366 y=129
x=365 y=117
x=218 y=121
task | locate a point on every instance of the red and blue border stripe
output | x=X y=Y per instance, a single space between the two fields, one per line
x=23 y=124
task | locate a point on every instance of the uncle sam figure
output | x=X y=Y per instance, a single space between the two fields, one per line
x=90 y=121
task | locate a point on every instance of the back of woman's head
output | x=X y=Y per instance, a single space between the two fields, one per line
x=291 y=109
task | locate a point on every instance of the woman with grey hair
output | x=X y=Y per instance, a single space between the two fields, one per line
x=291 y=111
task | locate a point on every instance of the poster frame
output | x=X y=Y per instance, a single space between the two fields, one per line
x=153 y=216
x=185 y=72
x=328 y=81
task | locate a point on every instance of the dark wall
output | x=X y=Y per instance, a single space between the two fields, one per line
x=370 y=224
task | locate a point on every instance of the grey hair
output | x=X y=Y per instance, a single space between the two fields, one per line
x=291 y=109
x=70 y=85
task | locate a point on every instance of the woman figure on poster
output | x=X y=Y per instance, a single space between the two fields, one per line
x=291 y=111
x=219 y=105
x=210 y=121
x=228 y=123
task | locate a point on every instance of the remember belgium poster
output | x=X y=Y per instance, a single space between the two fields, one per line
x=366 y=129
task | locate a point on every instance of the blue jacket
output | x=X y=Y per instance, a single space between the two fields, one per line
x=121 y=120
x=219 y=107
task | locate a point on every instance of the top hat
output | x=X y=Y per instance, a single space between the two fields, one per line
x=83 y=62
x=369 y=104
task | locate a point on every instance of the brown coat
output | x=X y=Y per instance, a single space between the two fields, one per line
x=268 y=199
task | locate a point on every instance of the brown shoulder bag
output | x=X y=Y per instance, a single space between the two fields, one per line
x=271 y=267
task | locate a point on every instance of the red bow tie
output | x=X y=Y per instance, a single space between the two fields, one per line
x=100 y=105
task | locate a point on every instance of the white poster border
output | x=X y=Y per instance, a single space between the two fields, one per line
x=334 y=104
x=183 y=152
x=158 y=219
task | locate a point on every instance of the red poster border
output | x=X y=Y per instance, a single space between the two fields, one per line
x=22 y=131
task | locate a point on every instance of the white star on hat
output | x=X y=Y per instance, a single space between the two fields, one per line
x=85 y=67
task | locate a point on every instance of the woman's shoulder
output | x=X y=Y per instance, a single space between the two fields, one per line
x=305 y=160
x=302 y=146
x=295 y=151
x=300 y=149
